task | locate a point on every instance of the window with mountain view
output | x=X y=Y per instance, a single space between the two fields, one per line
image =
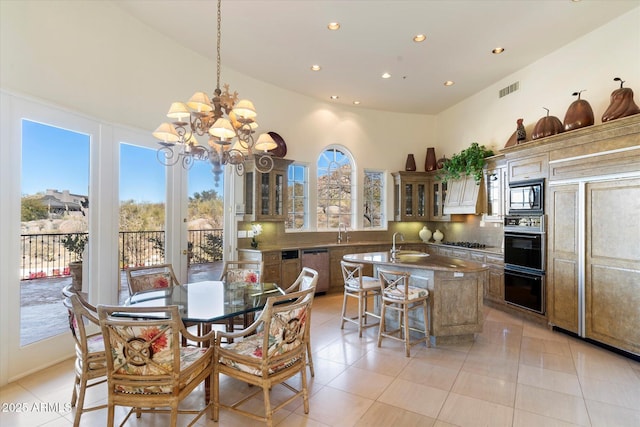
x=335 y=189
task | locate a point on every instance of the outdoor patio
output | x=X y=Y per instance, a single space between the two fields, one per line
x=41 y=301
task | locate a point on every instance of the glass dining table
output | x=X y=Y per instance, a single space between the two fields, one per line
x=211 y=301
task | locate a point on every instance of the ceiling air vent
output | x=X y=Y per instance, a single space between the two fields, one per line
x=509 y=89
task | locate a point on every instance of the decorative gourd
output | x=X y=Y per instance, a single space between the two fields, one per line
x=579 y=114
x=622 y=104
x=547 y=126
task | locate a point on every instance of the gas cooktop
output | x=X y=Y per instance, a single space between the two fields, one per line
x=471 y=245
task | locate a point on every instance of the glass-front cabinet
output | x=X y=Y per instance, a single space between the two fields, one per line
x=411 y=196
x=495 y=180
x=438 y=197
x=265 y=193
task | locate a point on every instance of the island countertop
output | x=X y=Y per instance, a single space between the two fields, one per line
x=415 y=259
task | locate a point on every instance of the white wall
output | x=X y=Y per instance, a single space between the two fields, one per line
x=590 y=63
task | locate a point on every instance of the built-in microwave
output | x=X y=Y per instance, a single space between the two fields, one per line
x=526 y=197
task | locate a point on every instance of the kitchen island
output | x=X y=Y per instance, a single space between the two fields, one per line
x=455 y=290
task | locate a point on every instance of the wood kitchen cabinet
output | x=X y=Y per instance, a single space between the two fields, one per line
x=272 y=264
x=411 y=196
x=563 y=256
x=494 y=286
x=528 y=167
x=265 y=194
x=464 y=196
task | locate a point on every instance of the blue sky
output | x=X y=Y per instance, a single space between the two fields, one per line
x=55 y=158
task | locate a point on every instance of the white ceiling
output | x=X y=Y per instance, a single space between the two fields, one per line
x=276 y=41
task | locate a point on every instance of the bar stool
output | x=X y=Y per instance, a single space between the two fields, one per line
x=360 y=287
x=397 y=295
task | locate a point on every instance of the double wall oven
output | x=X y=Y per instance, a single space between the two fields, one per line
x=525 y=247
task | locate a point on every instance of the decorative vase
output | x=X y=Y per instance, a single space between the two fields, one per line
x=430 y=163
x=438 y=236
x=425 y=234
x=410 y=166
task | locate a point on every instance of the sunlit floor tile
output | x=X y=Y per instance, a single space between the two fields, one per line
x=553 y=404
x=528 y=419
x=381 y=415
x=336 y=408
x=414 y=397
x=421 y=371
x=605 y=415
x=470 y=412
x=361 y=382
x=551 y=380
x=485 y=388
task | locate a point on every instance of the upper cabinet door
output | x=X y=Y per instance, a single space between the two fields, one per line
x=411 y=196
x=265 y=194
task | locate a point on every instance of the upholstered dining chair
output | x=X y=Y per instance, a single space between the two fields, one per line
x=154 y=277
x=245 y=271
x=361 y=288
x=267 y=353
x=307 y=279
x=149 y=278
x=147 y=367
x=90 y=367
x=397 y=295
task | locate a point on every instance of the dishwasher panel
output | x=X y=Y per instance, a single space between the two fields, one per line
x=318 y=259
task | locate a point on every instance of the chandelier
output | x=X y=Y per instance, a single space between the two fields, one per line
x=230 y=139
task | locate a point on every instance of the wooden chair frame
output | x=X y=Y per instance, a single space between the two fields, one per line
x=307 y=279
x=404 y=300
x=361 y=288
x=136 y=377
x=91 y=364
x=278 y=358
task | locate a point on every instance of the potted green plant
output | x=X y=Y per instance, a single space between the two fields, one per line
x=75 y=244
x=468 y=162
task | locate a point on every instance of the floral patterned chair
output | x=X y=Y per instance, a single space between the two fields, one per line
x=307 y=279
x=154 y=277
x=149 y=278
x=147 y=367
x=91 y=364
x=397 y=295
x=267 y=353
x=245 y=272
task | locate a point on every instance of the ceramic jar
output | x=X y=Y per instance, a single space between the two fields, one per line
x=425 y=234
x=438 y=236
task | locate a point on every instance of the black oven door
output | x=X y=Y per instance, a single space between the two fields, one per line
x=524 y=250
x=524 y=289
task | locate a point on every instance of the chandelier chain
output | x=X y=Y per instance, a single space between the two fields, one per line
x=218 y=34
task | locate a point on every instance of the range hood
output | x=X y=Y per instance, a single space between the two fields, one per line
x=464 y=196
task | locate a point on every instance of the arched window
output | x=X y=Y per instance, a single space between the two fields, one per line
x=335 y=186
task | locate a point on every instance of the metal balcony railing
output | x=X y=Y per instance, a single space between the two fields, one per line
x=43 y=255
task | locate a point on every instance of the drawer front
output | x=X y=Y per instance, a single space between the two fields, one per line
x=477 y=257
x=495 y=259
x=271 y=257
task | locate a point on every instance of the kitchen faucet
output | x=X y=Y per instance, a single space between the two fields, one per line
x=346 y=233
x=395 y=251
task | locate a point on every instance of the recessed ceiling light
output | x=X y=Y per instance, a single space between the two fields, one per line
x=356 y=102
x=419 y=38
x=498 y=50
x=449 y=83
x=333 y=26
x=386 y=75
x=334 y=97
x=315 y=67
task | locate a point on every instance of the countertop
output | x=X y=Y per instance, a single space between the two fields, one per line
x=415 y=259
x=286 y=247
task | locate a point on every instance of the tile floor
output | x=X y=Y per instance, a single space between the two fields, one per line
x=514 y=374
